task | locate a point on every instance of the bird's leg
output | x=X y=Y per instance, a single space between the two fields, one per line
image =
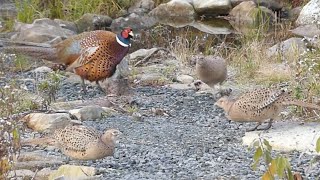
x=252 y=129
x=100 y=88
x=111 y=102
x=268 y=126
x=84 y=89
x=238 y=127
x=221 y=91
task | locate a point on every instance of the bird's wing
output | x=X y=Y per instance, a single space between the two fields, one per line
x=259 y=98
x=84 y=58
x=90 y=54
x=76 y=137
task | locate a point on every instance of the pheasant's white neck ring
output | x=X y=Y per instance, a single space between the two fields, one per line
x=122 y=43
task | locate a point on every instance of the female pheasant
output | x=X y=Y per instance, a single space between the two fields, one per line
x=80 y=142
x=259 y=105
x=91 y=55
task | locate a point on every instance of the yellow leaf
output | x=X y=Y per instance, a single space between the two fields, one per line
x=267 y=176
x=15 y=133
x=273 y=167
x=257 y=154
x=318 y=145
x=4 y=166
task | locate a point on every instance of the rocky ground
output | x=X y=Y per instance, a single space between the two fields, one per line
x=167 y=134
x=181 y=135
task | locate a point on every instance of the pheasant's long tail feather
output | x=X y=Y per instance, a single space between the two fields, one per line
x=38 y=141
x=32 y=51
x=5 y=43
x=303 y=104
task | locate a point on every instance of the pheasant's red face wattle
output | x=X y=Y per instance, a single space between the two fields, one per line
x=127 y=33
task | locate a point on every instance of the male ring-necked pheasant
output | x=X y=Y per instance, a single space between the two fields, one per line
x=91 y=55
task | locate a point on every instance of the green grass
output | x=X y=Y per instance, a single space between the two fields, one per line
x=21 y=64
x=71 y=10
x=7 y=25
x=27 y=10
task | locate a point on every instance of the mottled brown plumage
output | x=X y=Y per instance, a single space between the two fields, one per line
x=81 y=142
x=91 y=55
x=259 y=105
x=211 y=70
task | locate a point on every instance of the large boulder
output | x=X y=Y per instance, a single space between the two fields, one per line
x=134 y=21
x=248 y=16
x=73 y=172
x=46 y=122
x=309 y=30
x=294 y=13
x=141 y=6
x=88 y=113
x=67 y=25
x=271 y=4
x=310 y=13
x=21 y=174
x=90 y=22
x=288 y=49
x=214 y=26
x=176 y=13
x=7 y=10
x=218 y=7
x=40 y=31
x=173 y=8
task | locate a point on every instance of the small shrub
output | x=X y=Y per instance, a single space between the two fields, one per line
x=9 y=144
x=305 y=83
x=21 y=63
x=13 y=100
x=183 y=48
x=49 y=87
x=191 y=42
x=132 y=109
x=6 y=25
x=276 y=167
x=13 y=106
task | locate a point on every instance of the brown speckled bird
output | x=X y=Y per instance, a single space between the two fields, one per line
x=259 y=105
x=211 y=70
x=91 y=55
x=81 y=142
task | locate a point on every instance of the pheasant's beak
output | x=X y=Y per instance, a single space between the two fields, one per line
x=131 y=34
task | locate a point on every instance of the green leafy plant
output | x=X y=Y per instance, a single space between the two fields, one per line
x=318 y=145
x=13 y=100
x=6 y=25
x=276 y=167
x=27 y=10
x=9 y=144
x=13 y=105
x=49 y=87
x=21 y=63
x=305 y=83
x=132 y=109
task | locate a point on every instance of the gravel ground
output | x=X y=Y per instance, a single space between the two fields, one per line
x=194 y=142
x=191 y=140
